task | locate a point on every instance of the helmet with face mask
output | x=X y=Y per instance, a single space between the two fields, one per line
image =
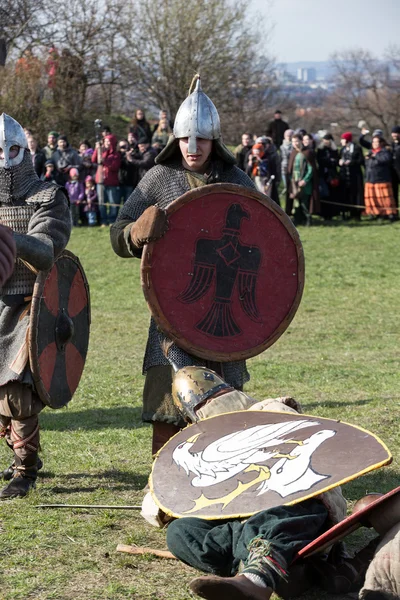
x=13 y=142
x=16 y=169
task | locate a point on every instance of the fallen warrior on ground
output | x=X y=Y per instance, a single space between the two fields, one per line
x=262 y=547
x=250 y=559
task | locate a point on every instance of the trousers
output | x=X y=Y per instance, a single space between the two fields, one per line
x=19 y=423
x=218 y=547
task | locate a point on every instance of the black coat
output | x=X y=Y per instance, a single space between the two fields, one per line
x=378 y=166
x=142 y=129
x=328 y=160
x=128 y=173
x=396 y=159
x=145 y=161
x=365 y=143
x=276 y=129
x=39 y=159
x=242 y=154
x=351 y=175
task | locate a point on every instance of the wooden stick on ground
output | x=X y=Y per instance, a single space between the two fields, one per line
x=90 y=506
x=144 y=550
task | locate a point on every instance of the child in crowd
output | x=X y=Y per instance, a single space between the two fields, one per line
x=76 y=193
x=257 y=167
x=90 y=208
x=87 y=167
x=49 y=174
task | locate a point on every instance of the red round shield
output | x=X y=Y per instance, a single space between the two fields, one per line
x=348 y=525
x=59 y=330
x=227 y=278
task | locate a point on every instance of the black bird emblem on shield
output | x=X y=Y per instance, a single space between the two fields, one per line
x=228 y=261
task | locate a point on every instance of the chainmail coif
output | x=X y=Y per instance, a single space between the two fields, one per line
x=20 y=181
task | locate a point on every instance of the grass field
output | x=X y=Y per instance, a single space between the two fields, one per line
x=339 y=358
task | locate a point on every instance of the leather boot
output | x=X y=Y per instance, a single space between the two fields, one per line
x=11 y=470
x=228 y=588
x=19 y=485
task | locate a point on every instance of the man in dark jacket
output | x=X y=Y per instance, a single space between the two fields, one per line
x=51 y=145
x=37 y=155
x=144 y=161
x=128 y=172
x=242 y=151
x=351 y=177
x=64 y=159
x=277 y=128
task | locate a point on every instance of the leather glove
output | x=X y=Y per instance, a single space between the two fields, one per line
x=150 y=226
x=7 y=253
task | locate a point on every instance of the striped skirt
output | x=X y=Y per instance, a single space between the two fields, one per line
x=379 y=199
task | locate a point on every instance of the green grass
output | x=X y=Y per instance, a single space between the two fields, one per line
x=339 y=358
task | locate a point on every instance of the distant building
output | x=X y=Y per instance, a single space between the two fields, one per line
x=306 y=75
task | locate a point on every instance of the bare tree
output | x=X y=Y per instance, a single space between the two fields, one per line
x=24 y=24
x=108 y=56
x=366 y=88
x=171 y=40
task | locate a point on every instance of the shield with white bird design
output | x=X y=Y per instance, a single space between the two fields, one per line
x=234 y=465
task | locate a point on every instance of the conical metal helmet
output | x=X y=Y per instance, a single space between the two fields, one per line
x=11 y=135
x=197 y=117
x=192 y=386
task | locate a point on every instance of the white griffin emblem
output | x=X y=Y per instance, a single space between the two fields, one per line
x=246 y=451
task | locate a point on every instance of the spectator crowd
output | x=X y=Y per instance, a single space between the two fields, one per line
x=313 y=176
x=307 y=173
x=100 y=178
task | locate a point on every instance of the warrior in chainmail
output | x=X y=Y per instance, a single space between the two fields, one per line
x=38 y=215
x=194 y=156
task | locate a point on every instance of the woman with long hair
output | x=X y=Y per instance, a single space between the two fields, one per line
x=161 y=135
x=140 y=127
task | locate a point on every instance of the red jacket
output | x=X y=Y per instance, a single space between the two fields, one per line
x=111 y=162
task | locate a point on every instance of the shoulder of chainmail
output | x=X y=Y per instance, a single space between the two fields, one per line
x=161 y=185
x=42 y=192
x=233 y=174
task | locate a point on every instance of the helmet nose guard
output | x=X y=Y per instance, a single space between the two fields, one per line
x=11 y=134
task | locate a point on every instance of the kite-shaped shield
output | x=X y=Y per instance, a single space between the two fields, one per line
x=59 y=330
x=234 y=465
x=226 y=279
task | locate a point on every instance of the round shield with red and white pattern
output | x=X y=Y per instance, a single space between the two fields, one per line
x=59 y=330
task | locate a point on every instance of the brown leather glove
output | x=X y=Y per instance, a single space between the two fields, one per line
x=150 y=226
x=7 y=253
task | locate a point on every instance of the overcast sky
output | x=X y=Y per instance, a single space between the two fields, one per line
x=313 y=29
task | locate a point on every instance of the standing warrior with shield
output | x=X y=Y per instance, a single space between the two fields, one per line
x=194 y=157
x=38 y=214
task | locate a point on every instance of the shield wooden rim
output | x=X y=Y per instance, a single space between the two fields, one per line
x=343 y=528
x=307 y=495
x=35 y=309
x=151 y=296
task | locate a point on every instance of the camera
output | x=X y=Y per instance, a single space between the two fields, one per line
x=98 y=127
